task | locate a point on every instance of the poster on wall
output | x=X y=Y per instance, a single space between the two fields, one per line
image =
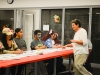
x=45 y=27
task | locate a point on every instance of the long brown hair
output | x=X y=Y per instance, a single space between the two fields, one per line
x=48 y=35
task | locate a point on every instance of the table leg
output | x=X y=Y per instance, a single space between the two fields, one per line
x=70 y=56
x=35 y=68
x=7 y=71
x=25 y=69
x=54 y=66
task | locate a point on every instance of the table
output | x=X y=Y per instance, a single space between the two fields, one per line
x=31 y=59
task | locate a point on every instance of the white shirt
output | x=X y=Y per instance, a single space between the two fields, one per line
x=89 y=44
x=81 y=34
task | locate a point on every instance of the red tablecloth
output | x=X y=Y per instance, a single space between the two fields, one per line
x=25 y=60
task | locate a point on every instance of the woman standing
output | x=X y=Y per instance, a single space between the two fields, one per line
x=8 y=46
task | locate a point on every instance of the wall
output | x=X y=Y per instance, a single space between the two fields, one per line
x=47 y=3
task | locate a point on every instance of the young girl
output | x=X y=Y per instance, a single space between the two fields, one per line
x=8 y=46
x=19 y=40
x=21 y=44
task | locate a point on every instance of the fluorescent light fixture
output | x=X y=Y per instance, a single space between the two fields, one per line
x=97 y=13
x=28 y=14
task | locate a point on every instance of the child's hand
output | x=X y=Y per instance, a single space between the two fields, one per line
x=18 y=52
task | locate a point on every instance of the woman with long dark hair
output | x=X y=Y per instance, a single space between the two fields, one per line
x=8 y=46
x=51 y=41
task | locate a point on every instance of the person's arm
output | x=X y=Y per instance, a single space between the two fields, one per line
x=36 y=47
x=7 y=51
x=57 y=46
x=16 y=49
x=12 y=52
x=69 y=45
x=83 y=38
x=89 y=45
x=41 y=47
x=77 y=41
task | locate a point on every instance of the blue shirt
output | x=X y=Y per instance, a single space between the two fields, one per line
x=48 y=43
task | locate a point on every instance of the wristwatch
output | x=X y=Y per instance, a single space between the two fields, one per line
x=10 y=1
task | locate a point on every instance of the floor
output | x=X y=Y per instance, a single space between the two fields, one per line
x=96 y=68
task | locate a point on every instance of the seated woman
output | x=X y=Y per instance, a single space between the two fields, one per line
x=21 y=45
x=8 y=46
x=51 y=41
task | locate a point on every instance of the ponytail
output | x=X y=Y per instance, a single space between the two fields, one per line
x=16 y=31
x=14 y=35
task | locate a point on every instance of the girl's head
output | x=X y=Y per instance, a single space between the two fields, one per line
x=18 y=33
x=51 y=34
x=6 y=34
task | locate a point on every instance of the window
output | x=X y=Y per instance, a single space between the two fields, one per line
x=6 y=19
x=48 y=19
x=95 y=35
x=70 y=14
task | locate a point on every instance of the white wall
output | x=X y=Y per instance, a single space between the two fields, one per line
x=47 y=3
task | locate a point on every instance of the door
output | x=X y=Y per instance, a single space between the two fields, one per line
x=28 y=27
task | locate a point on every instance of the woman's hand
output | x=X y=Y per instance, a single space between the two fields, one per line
x=73 y=41
x=57 y=46
x=18 y=52
x=64 y=47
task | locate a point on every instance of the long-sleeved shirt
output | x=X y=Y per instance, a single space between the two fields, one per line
x=78 y=48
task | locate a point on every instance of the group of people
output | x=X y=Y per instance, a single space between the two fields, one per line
x=50 y=40
x=12 y=43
